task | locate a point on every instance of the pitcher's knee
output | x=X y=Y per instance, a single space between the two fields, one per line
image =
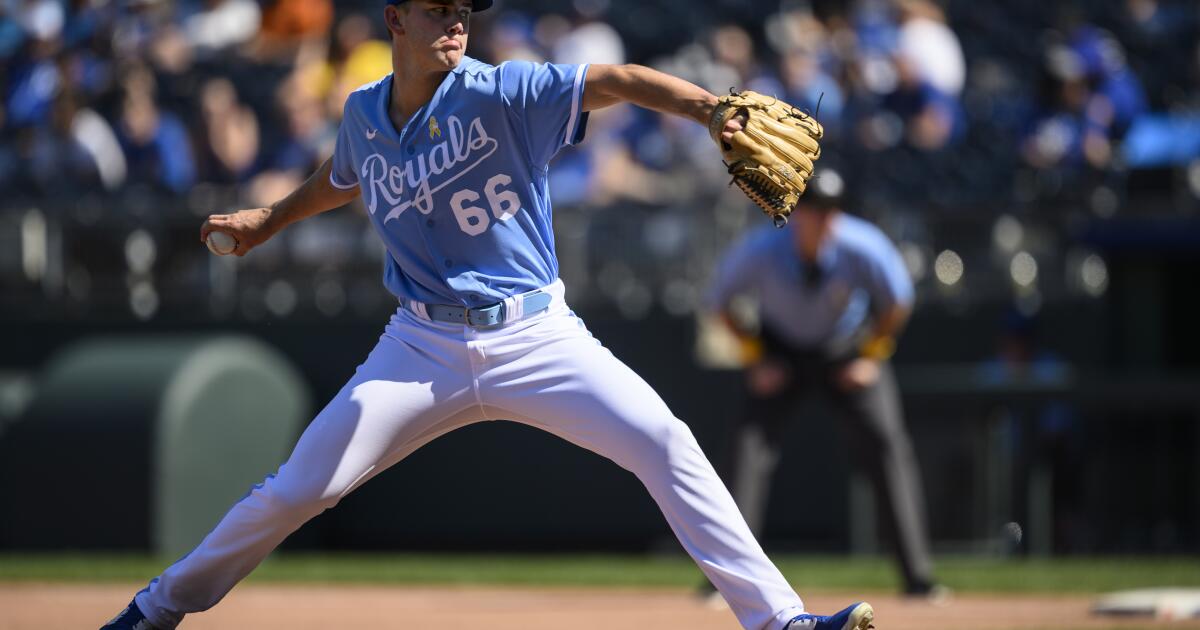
x=667 y=440
x=297 y=497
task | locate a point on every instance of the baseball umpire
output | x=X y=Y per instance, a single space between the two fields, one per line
x=833 y=295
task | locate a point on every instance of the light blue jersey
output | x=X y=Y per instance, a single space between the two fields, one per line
x=862 y=274
x=460 y=195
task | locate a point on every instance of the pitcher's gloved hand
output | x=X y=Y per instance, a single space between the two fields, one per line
x=769 y=147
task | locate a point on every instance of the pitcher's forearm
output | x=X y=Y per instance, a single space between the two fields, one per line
x=314 y=196
x=649 y=88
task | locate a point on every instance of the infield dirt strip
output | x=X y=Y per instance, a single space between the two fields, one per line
x=315 y=607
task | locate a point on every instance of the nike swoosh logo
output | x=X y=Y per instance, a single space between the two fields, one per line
x=371 y=134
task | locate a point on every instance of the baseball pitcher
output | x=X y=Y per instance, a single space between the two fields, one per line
x=450 y=157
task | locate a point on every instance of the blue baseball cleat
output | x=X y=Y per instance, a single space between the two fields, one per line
x=130 y=619
x=859 y=616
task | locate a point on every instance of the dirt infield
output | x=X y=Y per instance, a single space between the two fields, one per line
x=309 y=607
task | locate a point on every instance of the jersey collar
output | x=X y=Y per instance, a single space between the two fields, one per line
x=386 y=95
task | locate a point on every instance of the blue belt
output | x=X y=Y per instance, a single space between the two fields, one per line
x=488 y=316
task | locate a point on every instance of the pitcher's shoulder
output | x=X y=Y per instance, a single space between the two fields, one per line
x=366 y=95
x=471 y=66
x=478 y=76
x=373 y=87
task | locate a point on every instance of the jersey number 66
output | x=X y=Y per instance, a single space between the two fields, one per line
x=474 y=220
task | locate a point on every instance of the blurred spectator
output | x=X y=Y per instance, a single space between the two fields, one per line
x=12 y=36
x=733 y=48
x=79 y=149
x=929 y=115
x=228 y=133
x=57 y=160
x=42 y=19
x=222 y=24
x=85 y=21
x=590 y=41
x=155 y=141
x=511 y=38
x=636 y=159
x=809 y=66
x=1117 y=94
x=33 y=76
x=308 y=139
x=291 y=26
x=928 y=44
x=1065 y=130
x=32 y=85
x=874 y=25
x=88 y=38
x=810 y=88
x=1157 y=36
x=1088 y=102
x=139 y=25
x=96 y=136
x=356 y=58
x=908 y=109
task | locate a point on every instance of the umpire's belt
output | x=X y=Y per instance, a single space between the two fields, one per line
x=510 y=310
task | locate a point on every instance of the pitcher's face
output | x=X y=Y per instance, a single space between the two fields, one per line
x=434 y=32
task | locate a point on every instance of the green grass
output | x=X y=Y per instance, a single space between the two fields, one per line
x=807 y=573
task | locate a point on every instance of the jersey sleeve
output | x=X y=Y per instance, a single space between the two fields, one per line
x=887 y=276
x=545 y=102
x=734 y=276
x=343 y=175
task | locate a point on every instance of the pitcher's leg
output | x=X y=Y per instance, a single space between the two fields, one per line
x=665 y=457
x=385 y=411
x=577 y=390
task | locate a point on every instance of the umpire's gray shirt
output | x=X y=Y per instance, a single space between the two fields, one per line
x=861 y=273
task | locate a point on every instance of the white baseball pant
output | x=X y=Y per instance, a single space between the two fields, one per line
x=425 y=379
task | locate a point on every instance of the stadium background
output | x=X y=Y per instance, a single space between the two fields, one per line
x=1038 y=164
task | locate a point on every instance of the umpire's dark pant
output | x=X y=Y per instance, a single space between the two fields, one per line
x=875 y=424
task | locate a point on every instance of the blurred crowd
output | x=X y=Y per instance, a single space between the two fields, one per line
x=112 y=94
x=988 y=110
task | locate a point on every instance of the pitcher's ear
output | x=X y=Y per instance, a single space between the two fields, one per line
x=391 y=15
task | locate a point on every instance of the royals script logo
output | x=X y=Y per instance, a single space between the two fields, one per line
x=460 y=151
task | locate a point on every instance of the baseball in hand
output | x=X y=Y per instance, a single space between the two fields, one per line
x=220 y=243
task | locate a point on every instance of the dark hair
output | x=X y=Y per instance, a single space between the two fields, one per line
x=476 y=5
x=826 y=190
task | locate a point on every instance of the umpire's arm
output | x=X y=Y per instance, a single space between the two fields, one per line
x=892 y=297
x=887 y=327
